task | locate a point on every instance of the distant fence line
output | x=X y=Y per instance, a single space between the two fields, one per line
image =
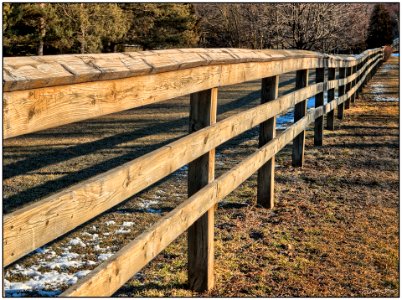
x=49 y=91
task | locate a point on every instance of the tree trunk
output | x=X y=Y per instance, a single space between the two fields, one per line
x=42 y=31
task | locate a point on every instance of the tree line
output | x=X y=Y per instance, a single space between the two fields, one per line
x=57 y=28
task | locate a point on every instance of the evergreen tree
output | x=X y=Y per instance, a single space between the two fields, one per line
x=162 y=25
x=54 y=28
x=91 y=27
x=380 y=31
x=28 y=28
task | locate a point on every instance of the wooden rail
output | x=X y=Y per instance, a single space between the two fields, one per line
x=44 y=92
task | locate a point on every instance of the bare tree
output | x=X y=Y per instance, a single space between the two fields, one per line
x=325 y=27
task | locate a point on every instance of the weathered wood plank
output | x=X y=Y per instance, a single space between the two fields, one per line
x=266 y=174
x=113 y=273
x=299 y=112
x=319 y=101
x=38 y=109
x=200 y=235
x=39 y=223
x=52 y=70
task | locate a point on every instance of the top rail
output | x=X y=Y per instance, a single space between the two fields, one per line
x=42 y=92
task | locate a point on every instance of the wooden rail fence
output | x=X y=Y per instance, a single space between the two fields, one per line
x=49 y=91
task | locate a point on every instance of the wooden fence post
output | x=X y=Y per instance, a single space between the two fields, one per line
x=348 y=86
x=300 y=112
x=341 y=91
x=266 y=179
x=203 y=110
x=330 y=97
x=319 y=101
x=359 y=89
x=352 y=99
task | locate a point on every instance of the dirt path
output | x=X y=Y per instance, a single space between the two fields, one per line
x=333 y=232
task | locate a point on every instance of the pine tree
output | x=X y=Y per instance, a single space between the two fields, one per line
x=162 y=25
x=380 y=31
x=91 y=27
x=27 y=28
x=53 y=28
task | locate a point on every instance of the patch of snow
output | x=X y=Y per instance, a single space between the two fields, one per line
x=108 y=223
x=82 y=273
x=385 y=99
x=106 y=233
x=145 y=204
x=148 y=203
x=16 y=286
x=65 y=261
x=77 y=241
x=105 y=256
x=42 y=283
x=94 y=228
x=98 y=248
x=128 y=224
x=122 y=231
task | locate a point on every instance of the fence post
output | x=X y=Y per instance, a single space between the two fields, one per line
x=203 y=110
x=359 y=66
x=300 y=112
x=348 y=85
x=341 y=91
x=330 y=97
x=266 y=179
x=319 y=101
x=353 y=97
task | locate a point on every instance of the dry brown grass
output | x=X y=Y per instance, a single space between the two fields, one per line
x=334 y=230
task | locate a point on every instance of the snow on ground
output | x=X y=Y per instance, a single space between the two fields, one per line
x=77 y=241
x=128 y=224
x=122 y=231
x=51 y=271
x=145 y=206
x=104 y=256
x=44 y=284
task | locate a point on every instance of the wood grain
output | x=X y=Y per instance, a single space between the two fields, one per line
x=201 y=171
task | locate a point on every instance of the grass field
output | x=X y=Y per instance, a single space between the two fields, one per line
x=333 y=232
